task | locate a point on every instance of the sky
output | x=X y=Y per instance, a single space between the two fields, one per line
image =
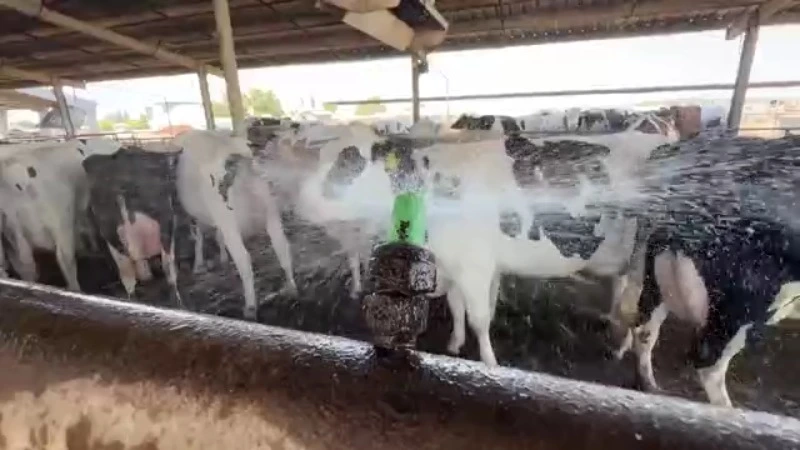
x=690 y=58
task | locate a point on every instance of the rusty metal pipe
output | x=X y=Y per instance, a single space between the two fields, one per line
x=85 y=372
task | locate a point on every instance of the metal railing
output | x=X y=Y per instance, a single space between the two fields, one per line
x=577 y=92
x=180 y=377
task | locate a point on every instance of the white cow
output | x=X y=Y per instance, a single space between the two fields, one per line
x=471 y=251
x=472 y=185
x=550 y=121
x=352 y=214
x=44 y=199
x=220 y=188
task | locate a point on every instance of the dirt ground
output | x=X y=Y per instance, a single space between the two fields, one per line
x=540 y=326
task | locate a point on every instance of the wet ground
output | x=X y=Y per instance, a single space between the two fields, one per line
x=551 y=327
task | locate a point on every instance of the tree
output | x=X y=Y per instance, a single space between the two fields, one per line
x=105 y=125
x=330 y=107
x=263 y=103
x=368 y=109
x=138 y=124
x=116 y=116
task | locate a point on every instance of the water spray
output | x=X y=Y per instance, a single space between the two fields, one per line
x=402 y=272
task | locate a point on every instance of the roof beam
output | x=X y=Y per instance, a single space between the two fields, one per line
x=34 y=8
x=765 y=12
x=39 y=77
x=12 y=100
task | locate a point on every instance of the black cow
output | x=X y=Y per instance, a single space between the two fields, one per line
x=133 y=200
x=723 y=250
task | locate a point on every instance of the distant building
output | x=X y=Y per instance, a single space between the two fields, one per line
x=165 y=114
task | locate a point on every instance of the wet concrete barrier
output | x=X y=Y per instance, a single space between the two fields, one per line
x=81 y=372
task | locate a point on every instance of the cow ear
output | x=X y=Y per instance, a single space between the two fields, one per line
x=82 y=141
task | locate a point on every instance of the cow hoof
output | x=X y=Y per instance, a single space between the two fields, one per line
x=198 y=270
x=454 y=349
x=250 y=313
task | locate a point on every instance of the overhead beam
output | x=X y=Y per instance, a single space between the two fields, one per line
x=18 y=100
x=39 y=77
x=34 y=8
x=763 y=12
x=375 y=19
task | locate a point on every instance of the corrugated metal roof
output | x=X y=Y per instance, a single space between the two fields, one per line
x=275 y=32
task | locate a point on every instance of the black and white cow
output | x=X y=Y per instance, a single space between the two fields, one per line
x=133 y=200
x=724 y=251
x=503 y=180
x=221 y=188
x=44 y=197
x=471 y=186
x=341 y=185
x=549 y=121
x=507 y=124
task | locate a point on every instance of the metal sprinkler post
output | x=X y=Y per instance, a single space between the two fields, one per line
x=402 y=273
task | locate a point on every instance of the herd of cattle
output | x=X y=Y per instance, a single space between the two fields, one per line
x=611 y=204
x=577 y=120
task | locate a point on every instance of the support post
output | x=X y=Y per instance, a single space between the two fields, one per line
x=227 y=56
x=205 y=95
x=743 y=75
x=415 y=66
x=63 y=108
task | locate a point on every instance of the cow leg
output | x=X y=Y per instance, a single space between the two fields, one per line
x=27 y=264
x=65 y=254
x=170 y=270
x=713 y=377
x=354 y=259
x=280 y=244
x=476 y=286
x=197 y=233
x=494 y=292
x=3 y=262
x=127 y=270
x=228 y=229
x=142 y=268
x=456 y=302
x=645 y=337
x=241 y=259
x=3 y=272
x=223 y=251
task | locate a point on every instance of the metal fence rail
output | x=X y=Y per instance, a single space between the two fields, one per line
x=74 y=365
x=575 y=92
